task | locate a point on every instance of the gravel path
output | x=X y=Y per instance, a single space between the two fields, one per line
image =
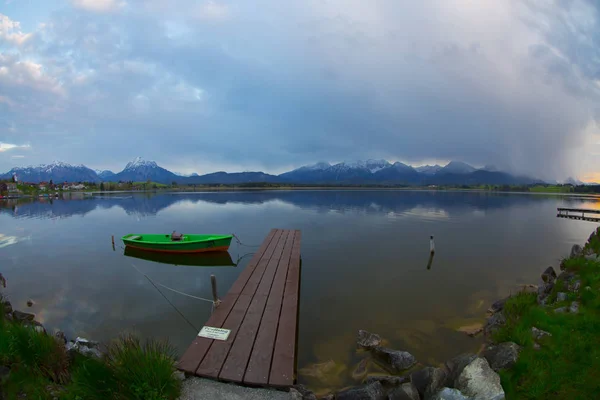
x=206 y=389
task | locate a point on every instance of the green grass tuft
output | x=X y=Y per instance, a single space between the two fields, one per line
x=146 y=370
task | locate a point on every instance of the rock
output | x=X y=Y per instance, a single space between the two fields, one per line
x=22 y=316
x=574 y=287
x=472 y=330
x=29 y=303
x=455 y=366
x=563 y=264
x=407 y=391
x=86 y=343
x=387 y=381
x=368 y=340
x=493 y=323
x=561 y=296
x=295 y=395
x=591 y=257
x=9 y=317
x=449 y=394
x=549 y=275
x=428 y=380
x=7 y=308
x=60 y=337
x=566 y=276
x=179 y=375
x=393 y=359
x=360 y=371
x=545 y=289
x=479 y=381
x=374 y=391
x=305 y=394
x=588 y=288
x=328 y=397
x=538 y=333
x=72 y=347
x=574 y=308
x=576 y=251
x=502 y=356
x=39 y=329
x=560 y=310
x=498 y=305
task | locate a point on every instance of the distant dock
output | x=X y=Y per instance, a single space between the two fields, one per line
x=258 y=319
x=579 y=214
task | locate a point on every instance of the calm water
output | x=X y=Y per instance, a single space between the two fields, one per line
x=364 y=254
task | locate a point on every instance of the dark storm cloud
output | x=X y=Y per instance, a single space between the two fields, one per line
x=213 y=85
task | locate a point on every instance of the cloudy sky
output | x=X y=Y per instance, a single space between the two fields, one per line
x=200 y=86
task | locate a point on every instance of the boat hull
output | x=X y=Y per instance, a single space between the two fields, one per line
x=188 y=245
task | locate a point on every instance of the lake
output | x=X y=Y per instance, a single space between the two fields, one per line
x=364 y=264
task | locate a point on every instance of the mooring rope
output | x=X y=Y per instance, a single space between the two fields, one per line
x=242 y=244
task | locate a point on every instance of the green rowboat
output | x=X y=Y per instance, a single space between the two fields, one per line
x=186 y=244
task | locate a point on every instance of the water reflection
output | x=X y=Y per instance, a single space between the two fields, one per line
x=425 y=205
x=214 y=259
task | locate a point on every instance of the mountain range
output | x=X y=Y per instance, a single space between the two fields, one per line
x=376 y=172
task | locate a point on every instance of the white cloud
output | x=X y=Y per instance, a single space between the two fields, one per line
x=16 y=157
x=100 y=6
x=10 y=31
x=17 y=73
x=9 y=146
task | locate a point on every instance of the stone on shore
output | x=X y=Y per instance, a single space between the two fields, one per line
x=368 y=340
x=428 y=380
x=566 y=276
x=455 y=366
x=502 y=356
x=494 y=323
x=20 y=316
x=560 y=310
x=450 y=394
x=498 y=305
x=576 y=251
x=360 y=371
x=561 y=296
x=549 y=275
x=407 y=391
x=479 y=381
x=394 y=360
x=387 y=381
x=305 y=394
x=373 y=391
x=575 y=286
x=574 y=308
x=538 y=333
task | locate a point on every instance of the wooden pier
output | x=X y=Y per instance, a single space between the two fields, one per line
x=579 y=214
x=261 y=312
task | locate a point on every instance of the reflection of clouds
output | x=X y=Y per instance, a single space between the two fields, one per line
x=432 y=214
x=6 y=240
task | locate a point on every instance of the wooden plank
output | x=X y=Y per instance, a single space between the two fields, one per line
x=581 y=210
x=259 y=364
x=237 y=359
x=195 y=353
x=284 y=355
x=215 y=357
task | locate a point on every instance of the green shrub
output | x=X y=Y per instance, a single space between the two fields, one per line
x=144 y=370
x=92 y=379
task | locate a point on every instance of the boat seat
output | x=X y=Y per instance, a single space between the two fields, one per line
x=176 y=237
x=135 y=238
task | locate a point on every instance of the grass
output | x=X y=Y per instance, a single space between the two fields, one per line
x=567 y=366
x=551 y=189
x=41 y=369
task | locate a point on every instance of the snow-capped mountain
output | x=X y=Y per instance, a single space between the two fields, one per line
x=105 y=175
x=56 y=171
x=140 y=170
x=428 y=169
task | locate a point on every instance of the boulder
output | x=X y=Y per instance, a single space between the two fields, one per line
x=450 y=394
x=368 y=340
x=86 y=343
x=22 y=316
x=387 y=381
x=7 y=307
x=479 y=381
x=566 y=276
x=455 y=366
x=295 y=395
x=560 y=310
x=407 y=391
x=575 y=286
x=360 y=371
x=591 y=257
x=179 y=375
x=561 y=296
x=30 y=303
x=60 y=337
x=493 y=323
x=574 y=308
x=549 y=275
x=428 y=380
x=503 y=355
x=538 y=333
x=498 y=305
x=305 y=394
x=576 y=251
x=394 y=360
x=72 y=347
x=374 y=391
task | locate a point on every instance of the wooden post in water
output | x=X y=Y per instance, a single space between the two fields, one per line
x=431 y=245
x=213 y=283
x=113 y=241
